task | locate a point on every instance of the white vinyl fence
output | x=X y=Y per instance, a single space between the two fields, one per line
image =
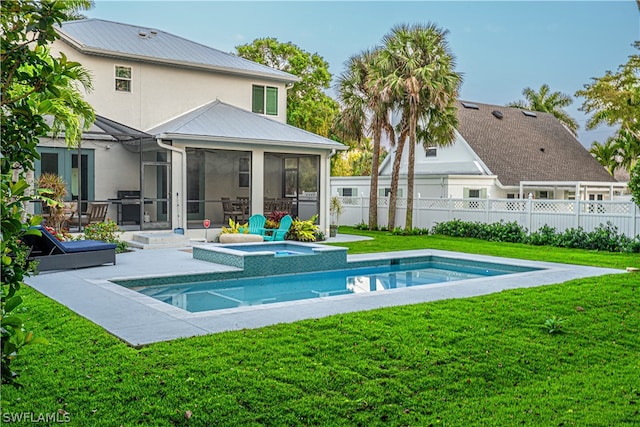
x=529 y=213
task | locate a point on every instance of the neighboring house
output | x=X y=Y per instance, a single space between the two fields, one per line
x=181 y=126
x=498 y=153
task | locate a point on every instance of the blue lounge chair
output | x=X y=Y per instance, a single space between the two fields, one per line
x=53 y=254
x=256 y=224
x=277 y=234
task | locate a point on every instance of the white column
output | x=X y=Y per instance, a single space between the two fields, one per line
x=257 y=181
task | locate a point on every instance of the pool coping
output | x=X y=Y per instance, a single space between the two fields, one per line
x=141 y=320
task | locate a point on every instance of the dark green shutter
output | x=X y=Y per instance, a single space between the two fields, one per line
x=272 y=101
x=258 y=99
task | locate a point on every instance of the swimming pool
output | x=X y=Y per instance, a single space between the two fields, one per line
x=205 y=294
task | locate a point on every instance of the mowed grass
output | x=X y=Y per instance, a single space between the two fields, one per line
x=384 y=242
x=479 y=361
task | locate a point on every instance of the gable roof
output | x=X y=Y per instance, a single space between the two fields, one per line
x=531 y=147
x=222 y=122
x=118 y=40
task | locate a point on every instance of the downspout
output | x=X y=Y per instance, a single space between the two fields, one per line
x=182 y=212
x=328 y=185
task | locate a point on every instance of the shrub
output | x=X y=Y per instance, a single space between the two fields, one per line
x=361 y=226
x=545 y=236
x=457 y=228
x=410 y=232
x=604 y=238
x=511 y=232
x=276 y=216
x=303 y=231
x=106 y=231
x=572 y=238
x=235 y=228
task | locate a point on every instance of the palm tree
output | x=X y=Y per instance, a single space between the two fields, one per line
x=364 y=108
x=420 y=73
x=605 y=154
x=546 y=101
x=628 y=148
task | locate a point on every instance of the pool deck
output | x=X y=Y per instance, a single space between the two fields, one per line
x=140 y=320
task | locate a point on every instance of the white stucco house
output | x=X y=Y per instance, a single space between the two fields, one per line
x=181 y=126
x=498 y=153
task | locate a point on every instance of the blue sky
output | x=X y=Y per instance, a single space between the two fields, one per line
x=501 y=47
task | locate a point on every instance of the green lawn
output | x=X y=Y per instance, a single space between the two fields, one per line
x=479 y=361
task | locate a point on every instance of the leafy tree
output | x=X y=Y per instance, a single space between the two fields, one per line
x=614 y=100
x=365 y=107
x=634 y=183
x=308 y=107
x=546 y=101
x=356 y=161
x=34 y=85
x=419 y=73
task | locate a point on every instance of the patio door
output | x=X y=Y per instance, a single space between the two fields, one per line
x=155 y=206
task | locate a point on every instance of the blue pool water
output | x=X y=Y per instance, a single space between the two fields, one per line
x=399 y=273
x=282 y=249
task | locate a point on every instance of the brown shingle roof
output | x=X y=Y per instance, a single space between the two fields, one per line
x=521 y=148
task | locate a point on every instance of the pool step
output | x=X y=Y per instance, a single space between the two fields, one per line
x=159 y=240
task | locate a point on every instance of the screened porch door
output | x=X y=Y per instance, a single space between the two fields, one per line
x=155 y=206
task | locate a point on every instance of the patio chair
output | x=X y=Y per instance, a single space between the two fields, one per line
x=229 y=211
x=277 y=234
x=256 y=224
x=96 y=212
x=53 y=254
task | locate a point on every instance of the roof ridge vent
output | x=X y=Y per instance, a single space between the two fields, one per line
x=497 y=114
x=529 y=113
x=470 y=105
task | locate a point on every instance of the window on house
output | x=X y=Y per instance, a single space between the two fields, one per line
x=431 y=152
x=265 y=100
x=244 y=172
x=384 y=192
x=348 y=192
x=543 y=195
x=474 y=194
x=123 y=79
x=511 y=196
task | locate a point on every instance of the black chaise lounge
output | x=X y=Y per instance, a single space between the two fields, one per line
x=53 y=254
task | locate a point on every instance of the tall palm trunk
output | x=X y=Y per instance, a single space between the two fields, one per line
x=395 y=178
x=413 y=118
x=373 y=191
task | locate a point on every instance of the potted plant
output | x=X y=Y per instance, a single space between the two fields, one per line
x=335 y=209
x=52 y=189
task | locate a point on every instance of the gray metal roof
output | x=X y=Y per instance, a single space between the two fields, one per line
x=114 y=39
x=217 y=121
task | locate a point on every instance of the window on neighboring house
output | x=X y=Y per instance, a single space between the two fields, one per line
x=384 y=192
x=431 y=152
x=543 y=195
x=473 y=193
x=511 y=196
x=244 y=172
x=123 y=79
x=348 y=192
x=265 y=100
